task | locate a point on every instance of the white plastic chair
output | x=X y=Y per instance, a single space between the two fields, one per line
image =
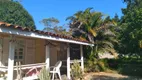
x=56 y=69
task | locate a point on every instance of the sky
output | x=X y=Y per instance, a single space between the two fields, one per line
x=61 y=9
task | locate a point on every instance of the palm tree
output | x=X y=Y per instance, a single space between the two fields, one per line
x=92 y=26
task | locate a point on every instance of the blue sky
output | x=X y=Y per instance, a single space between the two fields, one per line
x=61 y=9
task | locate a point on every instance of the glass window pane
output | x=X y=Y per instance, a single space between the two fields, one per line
x=15 y=53
x=15 y=50
x=20 y=57
x=20 y=53
x=21 y=49
x=15 y=57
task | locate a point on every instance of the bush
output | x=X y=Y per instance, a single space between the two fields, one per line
x=96 y=65
x=44 y=74
x=127 y=66
x=130 y=69
x=76 y=71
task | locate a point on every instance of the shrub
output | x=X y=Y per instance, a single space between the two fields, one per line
x=96 y=65
x=76 y=71
x=44 y=74
x=127 y=66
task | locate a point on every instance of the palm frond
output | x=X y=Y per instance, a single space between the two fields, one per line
x=106 y=44
x=96 y=20
x=113 y=40
x=93 y=32
x=82 y=38
x=72 y=18
x=108 y=32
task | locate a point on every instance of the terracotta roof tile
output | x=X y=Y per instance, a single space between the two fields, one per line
x=40 y=32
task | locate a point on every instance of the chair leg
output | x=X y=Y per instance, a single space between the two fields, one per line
x=53 y=76
x=59 y=75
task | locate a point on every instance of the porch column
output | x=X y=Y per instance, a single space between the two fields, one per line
x=82 y=60
x=47 y=57
x=11 y=59
x=68 y=63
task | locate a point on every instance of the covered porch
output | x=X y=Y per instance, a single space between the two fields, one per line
x=35 y=49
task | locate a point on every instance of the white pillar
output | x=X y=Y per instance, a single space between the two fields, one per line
x=68 y=63
x=47 y=57
x=11 y=60
x=82 y=60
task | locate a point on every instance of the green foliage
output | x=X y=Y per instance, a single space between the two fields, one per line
x=51 y=25
x=92 y=26
x=126 y=66
x=44 y=74
x=116 y=18
x=4 y=0
x=95 y=65
x=130 y=69
x=50 y=22
x=76 y=71
x=131 y=28
x=14 y=13
x=84 y=24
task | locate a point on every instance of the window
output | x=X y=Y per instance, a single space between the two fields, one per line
x=74 y=51
x=19 y=51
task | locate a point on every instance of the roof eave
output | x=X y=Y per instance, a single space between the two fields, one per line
x=37 y=35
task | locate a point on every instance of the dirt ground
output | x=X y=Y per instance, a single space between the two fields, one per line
x=108 y=76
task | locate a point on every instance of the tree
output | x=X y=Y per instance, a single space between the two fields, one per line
x=4 y=0
x=51 y=25
x=12 y=12
x=82 y=26
x=108 y=19
x=116 y=18
x=131 y=28
x=93 y=27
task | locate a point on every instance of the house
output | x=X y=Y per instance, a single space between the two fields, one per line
x=33 y=48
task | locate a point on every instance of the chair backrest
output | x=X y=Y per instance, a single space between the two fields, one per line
x=58 y=65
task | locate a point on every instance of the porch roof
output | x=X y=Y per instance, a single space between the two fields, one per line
x=18 y=30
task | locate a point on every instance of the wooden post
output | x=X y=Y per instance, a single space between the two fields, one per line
x=82 y=60
x=47 y=57
x=11 y=59
x=68 y=63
